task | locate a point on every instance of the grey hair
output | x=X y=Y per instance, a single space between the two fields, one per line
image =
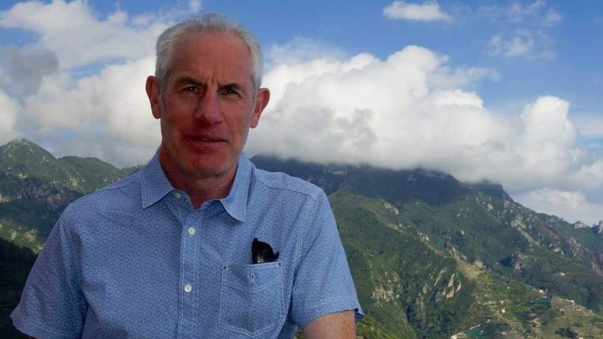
x=207 y=23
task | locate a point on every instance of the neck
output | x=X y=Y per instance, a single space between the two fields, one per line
x=199 y=188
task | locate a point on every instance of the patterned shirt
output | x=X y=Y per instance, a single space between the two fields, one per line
x=135 y=260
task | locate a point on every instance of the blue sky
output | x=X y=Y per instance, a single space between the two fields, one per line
x=360 y=26
x=508 y=91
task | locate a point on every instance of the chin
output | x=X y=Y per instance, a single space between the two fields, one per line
x=207 y=167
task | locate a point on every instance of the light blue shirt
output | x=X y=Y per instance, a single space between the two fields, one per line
x=135 y=260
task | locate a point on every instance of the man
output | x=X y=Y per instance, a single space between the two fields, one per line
x=167 y=252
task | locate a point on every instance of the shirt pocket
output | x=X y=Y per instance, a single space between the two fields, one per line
x=251 y=298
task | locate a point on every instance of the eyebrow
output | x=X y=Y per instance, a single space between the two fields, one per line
x=192 y=81
x=189 y=80
x=234 y=86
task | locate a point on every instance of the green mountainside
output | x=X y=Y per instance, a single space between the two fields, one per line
x=435 y=258
x=35 y=187
x=431 y=257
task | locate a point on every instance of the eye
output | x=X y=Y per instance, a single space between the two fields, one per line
x=193 y=89
x=229 y=90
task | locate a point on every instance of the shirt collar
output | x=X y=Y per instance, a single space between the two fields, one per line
x=154 y=183
x=235 y=203
x=155 y=186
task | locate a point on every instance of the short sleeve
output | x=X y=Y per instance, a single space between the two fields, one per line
x=52 y=305
x=323 y=283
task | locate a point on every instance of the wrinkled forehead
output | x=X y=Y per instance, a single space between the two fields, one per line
x=216 y=48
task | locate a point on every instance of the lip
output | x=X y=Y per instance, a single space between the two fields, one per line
x=204 y=139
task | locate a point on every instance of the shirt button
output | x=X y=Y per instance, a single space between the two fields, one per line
x=177 y=195
x=191 y=231
x=188 y=288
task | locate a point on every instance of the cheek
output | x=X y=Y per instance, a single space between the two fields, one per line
x=242 y=127
x=173 y=117
x=170 y=128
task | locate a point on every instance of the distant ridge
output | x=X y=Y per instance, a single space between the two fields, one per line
x=35 y=187
x=432 y=257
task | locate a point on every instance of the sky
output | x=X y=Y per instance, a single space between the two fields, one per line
x=505 y=91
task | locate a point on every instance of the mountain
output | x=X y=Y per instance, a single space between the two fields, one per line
x=431 y=257
x=35 y=187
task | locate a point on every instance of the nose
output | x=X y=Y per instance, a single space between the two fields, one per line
x=208 y=109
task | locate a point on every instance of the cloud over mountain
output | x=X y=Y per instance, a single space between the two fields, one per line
x=8 y=114
x=48 y=94
x=572 y=205
x=412 y=109
x=408 y=109
x=105 y=115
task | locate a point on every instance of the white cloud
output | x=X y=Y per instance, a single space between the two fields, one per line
x=590 y=125
x=407 y=110
x=104 y=115
x=444 y=77
x=8 y=112
x=107 y=114
x=572 y=205
x=412 y=109
x=547 y=143
x=528 y=36
x=78 y=36
x=195 y=6
x=299 y=50
x=380 y=95
x=517 y=12
x=521 y=43
x=428 y=11
x=21 y=70
x=552 y=17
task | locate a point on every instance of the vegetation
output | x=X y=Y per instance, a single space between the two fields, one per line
x=431 y=257
x=567 y=332
x=15 y=264
x=35 y=187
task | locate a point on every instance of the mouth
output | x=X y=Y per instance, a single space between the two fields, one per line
x=204 y=139
x=207 y=139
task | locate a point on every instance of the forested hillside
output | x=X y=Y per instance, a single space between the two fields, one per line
x=15 y=263
x=432 y=257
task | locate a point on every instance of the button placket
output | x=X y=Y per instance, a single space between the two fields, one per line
x=189 y=273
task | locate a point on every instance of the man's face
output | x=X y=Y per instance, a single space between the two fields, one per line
x=207 y=105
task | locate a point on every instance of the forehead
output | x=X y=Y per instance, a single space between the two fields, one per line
x=221 y=56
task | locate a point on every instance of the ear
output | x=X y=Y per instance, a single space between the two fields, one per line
x=261 y=102
x=152 y=87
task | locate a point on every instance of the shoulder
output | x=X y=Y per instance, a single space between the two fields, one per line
x=284 y=184
x=124 y=193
